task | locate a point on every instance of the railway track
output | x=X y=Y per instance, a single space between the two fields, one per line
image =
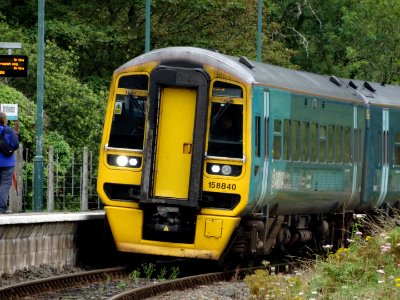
x=190 y=282
x=47 y=285
x=59 y=286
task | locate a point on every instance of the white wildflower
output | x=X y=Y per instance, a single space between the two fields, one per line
x=380 y=271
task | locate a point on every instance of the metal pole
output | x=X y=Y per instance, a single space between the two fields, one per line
x=259 y=30
x=50 y=181
x=147 y=42
x=38 y=160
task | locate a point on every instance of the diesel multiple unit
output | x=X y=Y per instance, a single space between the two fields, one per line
x=204 y=154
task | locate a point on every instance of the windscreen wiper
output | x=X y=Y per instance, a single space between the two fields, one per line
x=221 y=110
x=136 y=103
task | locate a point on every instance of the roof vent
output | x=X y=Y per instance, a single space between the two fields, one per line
x=246 y=62
x=353 y=85
x=335 y=80
x=369 y=87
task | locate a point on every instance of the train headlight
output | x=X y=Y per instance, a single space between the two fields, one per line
x=133 y=162
x=226 y=170
x=122 y=161
x=215 y=168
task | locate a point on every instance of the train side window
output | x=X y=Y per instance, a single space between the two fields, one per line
x=338 y=144
x=286 y=139
x=346 y=145
x=313 y=142
x=322 y=144
x=258 y=136
x=296 y=141
x=330 y=143
x=396 y=156
x=276 y=153
x=305 y=141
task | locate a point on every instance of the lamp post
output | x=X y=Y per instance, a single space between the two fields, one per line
x=259 y=30
x=38 y=160
x=147 y=41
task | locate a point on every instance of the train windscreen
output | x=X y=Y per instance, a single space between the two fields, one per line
x=127 y=129
x=226 y=130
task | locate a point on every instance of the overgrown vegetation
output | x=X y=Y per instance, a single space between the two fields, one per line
x=368 y=269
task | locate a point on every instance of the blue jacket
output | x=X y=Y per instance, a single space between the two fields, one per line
x=12 y=139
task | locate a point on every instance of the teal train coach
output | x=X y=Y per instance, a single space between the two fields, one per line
x=205 y=154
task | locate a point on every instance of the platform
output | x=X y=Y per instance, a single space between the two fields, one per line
x=55 y=239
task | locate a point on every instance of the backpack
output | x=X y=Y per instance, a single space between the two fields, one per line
x=5 y=147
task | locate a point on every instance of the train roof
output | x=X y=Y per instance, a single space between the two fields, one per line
x=376 y=93
x=257 y=73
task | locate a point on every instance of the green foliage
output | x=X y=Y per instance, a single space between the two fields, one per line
x=26 y=113
x=86 y=43
x=148 y=269
x=62 y=151
x=162 y=274
x=367 y=269
x=174 y=273
x=135 y=275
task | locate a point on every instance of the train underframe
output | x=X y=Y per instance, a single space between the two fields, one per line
x=256 y=234
x=260 y=235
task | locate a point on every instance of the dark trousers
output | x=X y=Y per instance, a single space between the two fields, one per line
x=6 y=174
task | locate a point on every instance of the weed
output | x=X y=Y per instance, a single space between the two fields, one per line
x=135 y=275
x=174 y=273
x=162 y=274
x=148 y=269
x=369 y=268
x=121 y=285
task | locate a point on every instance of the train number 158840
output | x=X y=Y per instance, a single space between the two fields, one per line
x=221 y=186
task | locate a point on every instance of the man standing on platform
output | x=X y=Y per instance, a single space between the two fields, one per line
x=7 y=163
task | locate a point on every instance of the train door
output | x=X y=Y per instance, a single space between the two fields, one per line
x=175 y=137
x=393 y=196
x=174 y=142
x=383 y=158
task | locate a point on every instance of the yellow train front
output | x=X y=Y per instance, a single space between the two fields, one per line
x=173 y=172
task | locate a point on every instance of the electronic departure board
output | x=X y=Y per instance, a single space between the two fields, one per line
x=13 y=66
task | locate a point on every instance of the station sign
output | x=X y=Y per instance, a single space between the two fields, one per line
x=13 y=66
x=11 y=110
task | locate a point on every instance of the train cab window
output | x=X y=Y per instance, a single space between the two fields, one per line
x=346 y=145
x=226 y=130
x=322 y=144
x=295 y=140
x=305 y=141
x=330 y=143
x=338 y=144
x=286 y=139
x=276 y=152
x=313 y=142
x=127 y=129
x=396 y=156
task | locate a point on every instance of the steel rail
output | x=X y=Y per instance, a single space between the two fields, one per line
x=42 y=286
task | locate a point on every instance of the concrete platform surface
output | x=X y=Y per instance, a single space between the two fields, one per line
x=49 y=217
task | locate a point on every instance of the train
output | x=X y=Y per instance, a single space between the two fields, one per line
x=205 y=155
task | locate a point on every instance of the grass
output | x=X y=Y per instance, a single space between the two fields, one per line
x=369 y=268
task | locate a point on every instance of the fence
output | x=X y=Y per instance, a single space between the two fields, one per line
x=67 y=186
